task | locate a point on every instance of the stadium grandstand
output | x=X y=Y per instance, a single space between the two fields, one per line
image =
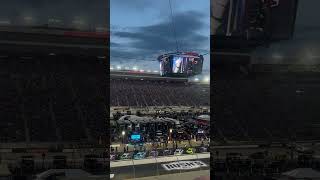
x=258 y=101
x=50 y=92
x=139 y=92
x=288 y=112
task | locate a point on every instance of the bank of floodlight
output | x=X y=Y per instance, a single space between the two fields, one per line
x=135 y=68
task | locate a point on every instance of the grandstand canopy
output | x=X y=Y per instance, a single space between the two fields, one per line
x=204 y=117
x=28 y=41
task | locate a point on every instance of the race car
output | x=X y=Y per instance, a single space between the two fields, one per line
x=189 y=151
x=125 y=156
x=153 y=153
x=178 y=152
x=139 y=155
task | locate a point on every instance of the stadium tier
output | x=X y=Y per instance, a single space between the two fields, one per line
x=54 y=41
x=274 y=102
x=52 y=99
x=134 y=92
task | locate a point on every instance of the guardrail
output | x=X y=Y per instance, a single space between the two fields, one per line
x=157 y=160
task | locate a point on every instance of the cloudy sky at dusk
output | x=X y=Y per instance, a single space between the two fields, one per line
x=141 y=30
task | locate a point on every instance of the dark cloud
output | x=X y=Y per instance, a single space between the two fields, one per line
x=114 y=45
x=154 y=38
x=136 y=4
x=142 y=5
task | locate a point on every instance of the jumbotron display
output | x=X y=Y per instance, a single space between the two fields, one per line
x=253 y=19
x=180 y=64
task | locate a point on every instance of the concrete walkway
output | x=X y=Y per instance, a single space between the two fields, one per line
x=183 y=176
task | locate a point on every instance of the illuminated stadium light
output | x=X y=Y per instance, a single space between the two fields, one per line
x=206 y=79
x=78 y=22
x=135 y=68
x=196 y=79
x=118 y=67
x=155 y=71
x=123 y=133
x=54 y=20
x=101 y=29
x=28 y=18
x=141 y=70
x=276 y=56
x=111 y=68
x=149 y=71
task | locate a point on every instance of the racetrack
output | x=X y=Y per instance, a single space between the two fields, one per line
x=145 y=170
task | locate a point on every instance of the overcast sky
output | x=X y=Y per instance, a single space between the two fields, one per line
x=142 y=29
x=306 y=40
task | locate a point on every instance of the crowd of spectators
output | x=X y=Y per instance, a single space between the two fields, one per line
x=267 y=105
x=144 y=93
x=51 y=99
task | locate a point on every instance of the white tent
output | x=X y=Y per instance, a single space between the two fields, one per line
x=128 y=119
x=302 y=173
x=204 y=117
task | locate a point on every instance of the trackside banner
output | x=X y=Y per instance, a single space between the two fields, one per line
x=183 y=165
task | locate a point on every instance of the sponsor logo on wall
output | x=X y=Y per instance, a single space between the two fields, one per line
x=183 y=165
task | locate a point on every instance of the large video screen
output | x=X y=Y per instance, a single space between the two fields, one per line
x=179 y=64
x=253 y=19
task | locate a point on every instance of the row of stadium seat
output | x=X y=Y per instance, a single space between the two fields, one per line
x=49 y=100
x=267 y=106
x=138 y=93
